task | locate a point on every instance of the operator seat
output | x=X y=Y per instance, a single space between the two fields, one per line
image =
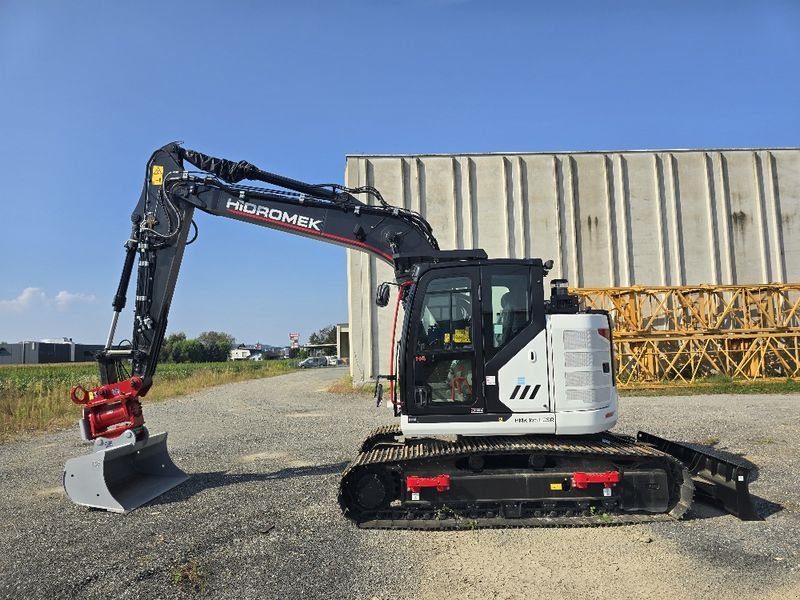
x=514 y=316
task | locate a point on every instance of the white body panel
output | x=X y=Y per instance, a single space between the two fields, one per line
x=582 y=377
x=583 y=422
x=516 y=424
x=523 y=380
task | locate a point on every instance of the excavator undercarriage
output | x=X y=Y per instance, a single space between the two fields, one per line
x=524 y=481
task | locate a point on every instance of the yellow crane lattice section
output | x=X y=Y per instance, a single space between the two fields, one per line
x=685 y=333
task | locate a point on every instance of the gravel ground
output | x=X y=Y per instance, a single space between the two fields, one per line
x=259 y=518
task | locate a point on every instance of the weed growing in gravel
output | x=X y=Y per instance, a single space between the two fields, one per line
x=345 y=386
x=711 y=440
x=444 y=512
x=190 y=574
x=602 y=516
x=765 y=441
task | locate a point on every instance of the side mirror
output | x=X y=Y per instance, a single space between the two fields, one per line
x=548 y=266
x=382 y=294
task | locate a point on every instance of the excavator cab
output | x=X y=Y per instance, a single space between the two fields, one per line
x=465 y=322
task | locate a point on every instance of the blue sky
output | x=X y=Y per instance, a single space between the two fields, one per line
x=89 y=89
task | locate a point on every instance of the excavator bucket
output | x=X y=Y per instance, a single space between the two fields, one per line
x=720 y=480
x=124 y=477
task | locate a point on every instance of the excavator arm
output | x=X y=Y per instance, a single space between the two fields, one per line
x=136 y=467
x=162 y=223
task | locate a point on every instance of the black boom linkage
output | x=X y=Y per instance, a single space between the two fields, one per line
x=162 y=222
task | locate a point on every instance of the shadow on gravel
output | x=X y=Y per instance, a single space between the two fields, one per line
x=766 y=508
x=703 y=509
x=198 y=482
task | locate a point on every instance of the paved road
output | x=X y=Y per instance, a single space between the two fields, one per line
x=259 y=516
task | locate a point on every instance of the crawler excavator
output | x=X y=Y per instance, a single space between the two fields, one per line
x=505 y=395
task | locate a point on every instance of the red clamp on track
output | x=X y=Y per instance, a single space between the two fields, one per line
x=582 y=480
x=415 y=484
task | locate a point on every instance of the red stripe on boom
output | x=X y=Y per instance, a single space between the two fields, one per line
x=319 y=233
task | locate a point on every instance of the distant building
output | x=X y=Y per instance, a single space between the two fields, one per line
x=239 y=354
x=59 y=350
x=246 y=351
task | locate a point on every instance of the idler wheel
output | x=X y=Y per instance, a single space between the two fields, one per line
x=372 y=491
x=537 y=461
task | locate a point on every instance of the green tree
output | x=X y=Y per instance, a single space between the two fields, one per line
x=326 y=335
x=194 y=351
x=209 y=346
x=216 y=345
x=168 y=347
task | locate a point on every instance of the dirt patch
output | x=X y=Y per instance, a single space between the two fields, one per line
x=52 y=491
x=614 y=563
x=284 y=459
x=304 y=415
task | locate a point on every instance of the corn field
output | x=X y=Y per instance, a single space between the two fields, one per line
x=36 y=397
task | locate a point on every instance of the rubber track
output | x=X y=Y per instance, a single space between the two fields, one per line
x=381 y=448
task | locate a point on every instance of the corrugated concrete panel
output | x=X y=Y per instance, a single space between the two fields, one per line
x=664 y=217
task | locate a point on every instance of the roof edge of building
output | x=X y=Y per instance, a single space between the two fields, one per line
x=551 y=152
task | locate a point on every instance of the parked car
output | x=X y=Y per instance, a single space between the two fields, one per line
x=333 y=361
x=313 y=361
x=256 y=356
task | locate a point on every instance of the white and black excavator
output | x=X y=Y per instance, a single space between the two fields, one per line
x=505 y=397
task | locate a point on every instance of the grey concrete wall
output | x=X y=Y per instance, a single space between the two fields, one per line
x=663 y=217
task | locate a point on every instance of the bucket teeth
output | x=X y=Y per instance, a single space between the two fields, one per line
x=122 y=478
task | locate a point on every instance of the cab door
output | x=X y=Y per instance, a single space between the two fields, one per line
x=443 y=352
x=515 y=346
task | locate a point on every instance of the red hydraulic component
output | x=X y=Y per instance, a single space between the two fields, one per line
x=415 y=483
x=582 y=480
x=394 y=400
x=112 y=409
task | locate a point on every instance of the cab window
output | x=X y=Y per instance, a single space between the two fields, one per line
x=445 y=358
x=507 y=306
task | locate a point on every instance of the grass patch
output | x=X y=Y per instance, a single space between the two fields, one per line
x=191 y=575
x=765 y=441
x=717 y=384
x=36 y=397
x=711 y=440
x=345 y=386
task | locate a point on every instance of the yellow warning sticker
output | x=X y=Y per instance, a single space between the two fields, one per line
x=157 y=176
x=557 y=487
x=461 y=336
